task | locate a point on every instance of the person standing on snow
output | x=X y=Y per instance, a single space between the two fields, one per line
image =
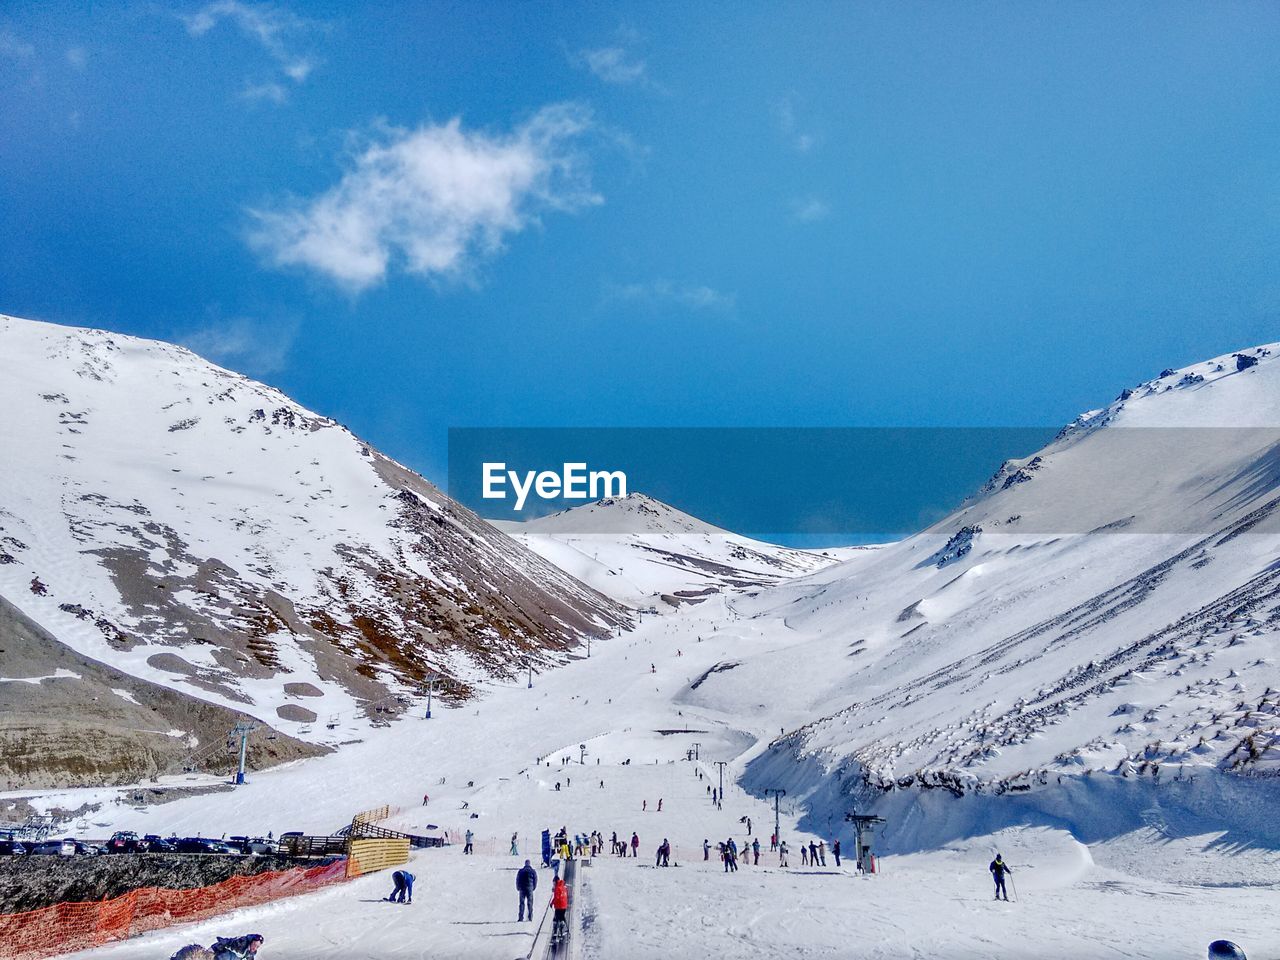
x=804 y=855
x=813 y=854
x=998 y=870
x=822 y=851
x=755 y=849
x=467 y=847
x=782 y=854
x=659 y=804
x=515 y=852
x=835 y=850
x=526 y=883
x=706 y=849
x=635 y=845
x=403 y=881
x=560 y=902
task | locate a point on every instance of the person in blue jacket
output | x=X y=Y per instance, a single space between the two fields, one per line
x=526 y=883
x=403 y=881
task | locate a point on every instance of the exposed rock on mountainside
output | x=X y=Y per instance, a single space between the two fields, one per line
x=188 y=526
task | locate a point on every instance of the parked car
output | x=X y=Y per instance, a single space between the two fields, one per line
x=154 y=843
x=55 y=848
x=125 y=841
x=11 y=848
x=85 y=849
x=203 y=845
x=252 y=845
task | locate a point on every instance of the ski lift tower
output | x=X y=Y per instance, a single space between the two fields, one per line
x=242 y=730
x=865 y=826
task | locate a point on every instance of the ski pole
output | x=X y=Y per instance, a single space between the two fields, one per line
x=1014 y=884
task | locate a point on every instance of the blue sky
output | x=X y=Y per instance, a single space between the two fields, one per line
x=431 y=215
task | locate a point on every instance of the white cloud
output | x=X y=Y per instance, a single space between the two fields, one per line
x=661 y=292
x=809 y=210
x=270 y=91
x=433 y=201
x=77 y=57
x=11 y=48
x=243 y=344
x=614 y=65
x=786 y=116
x=268 y=25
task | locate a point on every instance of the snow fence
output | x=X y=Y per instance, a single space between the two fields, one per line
x=68 y=927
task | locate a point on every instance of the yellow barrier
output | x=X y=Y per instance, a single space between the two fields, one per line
x=367 y=856
x=372 y=816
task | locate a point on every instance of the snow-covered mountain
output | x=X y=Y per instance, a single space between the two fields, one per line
x=1107 y=607
x=643 y=552
x=197 y=530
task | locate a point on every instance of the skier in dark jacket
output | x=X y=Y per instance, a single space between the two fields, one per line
x=403 y=881
x=526 y=883
x=835 y=850
x=237 y=948
x=998 y=870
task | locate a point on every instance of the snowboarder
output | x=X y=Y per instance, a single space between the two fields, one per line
x=560 y=903
x=467 y=848
x=237 y=948
x=835 y=850
x=515 y=851
x=998 y=870
x=403 y=881
x=526 y=883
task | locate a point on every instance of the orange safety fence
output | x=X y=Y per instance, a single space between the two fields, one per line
x=67 y=927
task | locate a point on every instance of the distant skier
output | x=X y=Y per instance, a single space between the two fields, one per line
x=526 y=883
x=755 y=849
x=706 y=849
x=467 y=849
x=998 y=870
x=659 y=804
x=644 y=805
x=835 y=850
x=237 y=948
x=635 y=845
x=515 y=851
x=403 y=881
x=425 y=799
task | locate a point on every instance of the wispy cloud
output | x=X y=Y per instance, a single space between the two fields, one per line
x=614 y=65
x=662 y=292
x=12 y=48
x=786 y=114
x=78 y=57
x=244 y=344
x=809 y=210
x=274 y=28
x=433 y=201
x=270 y=92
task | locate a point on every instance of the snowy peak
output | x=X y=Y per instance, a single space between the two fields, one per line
x=634 y=513
x=198 y=529
x=646 y=553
